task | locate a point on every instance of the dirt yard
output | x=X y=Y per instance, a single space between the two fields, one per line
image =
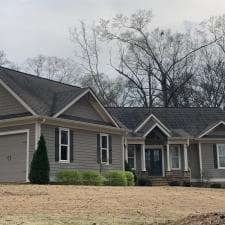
x=42 y=205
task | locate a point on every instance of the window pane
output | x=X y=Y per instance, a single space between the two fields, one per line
x=174 y=151
x=131 y=162
x=130 y=150
x=175 y=163
x=104 y=142
x=222 y=161
x=64 y=150
x=64 y=137
x=104 y=155
x=221 y=150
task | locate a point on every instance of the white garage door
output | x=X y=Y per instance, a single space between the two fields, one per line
x=13 y=149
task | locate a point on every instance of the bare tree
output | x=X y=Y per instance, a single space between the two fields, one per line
x=5 y=62
x=168 y=53
x=111 y=91
x=51 y=67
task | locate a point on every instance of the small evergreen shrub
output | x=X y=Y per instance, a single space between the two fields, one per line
x=130 y=178
x=92 y=178
x=69 y=177
x=187 y=184
x=127 y=166
x=115 y=178
x=174 y=183
x=142 y=181
x=39 y=169
x=216 y=185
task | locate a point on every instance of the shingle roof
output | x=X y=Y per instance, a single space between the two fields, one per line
x=188 y=120
x=44 y=96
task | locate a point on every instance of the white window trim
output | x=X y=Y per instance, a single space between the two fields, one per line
x=179 y=159
x=218 y=158
x=68 y=151
x=135 y=164
x=107 y=149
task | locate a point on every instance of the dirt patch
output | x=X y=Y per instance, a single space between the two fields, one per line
x=203 y=219
x=52 y=204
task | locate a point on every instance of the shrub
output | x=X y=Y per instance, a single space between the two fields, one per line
x=115 y=178
x=142 y=181
x=187 y=184
x=216 y=185
x=127 y=166
x=39 y=169
x=130 y=178
x=69 y=177
x=174 y=183
x=91 y=178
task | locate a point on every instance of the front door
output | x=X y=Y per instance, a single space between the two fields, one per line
x=153 y=158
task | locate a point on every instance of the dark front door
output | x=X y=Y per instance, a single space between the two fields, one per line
x=153 y=159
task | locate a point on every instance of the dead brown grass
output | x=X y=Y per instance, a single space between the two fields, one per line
x=31 y=204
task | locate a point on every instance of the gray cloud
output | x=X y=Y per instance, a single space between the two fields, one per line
x=31 y=27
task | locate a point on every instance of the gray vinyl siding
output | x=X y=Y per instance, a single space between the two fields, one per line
x=209 y=172
x=83 y=109
x=193 y=161
x=84 y=151
x=31 y=128
x=8 y=104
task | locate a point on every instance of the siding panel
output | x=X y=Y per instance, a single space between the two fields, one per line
x=84 y=151
x=8 y=104
x=208 y=164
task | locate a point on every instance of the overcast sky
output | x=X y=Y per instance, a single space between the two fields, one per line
x=32 y=27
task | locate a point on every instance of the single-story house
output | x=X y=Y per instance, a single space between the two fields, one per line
x=159 y=143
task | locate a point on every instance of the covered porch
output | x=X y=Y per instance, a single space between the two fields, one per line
x=157 y=155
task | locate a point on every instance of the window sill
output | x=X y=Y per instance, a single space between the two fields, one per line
x=62 y=162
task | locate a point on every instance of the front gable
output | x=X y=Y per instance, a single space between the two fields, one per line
x=84 y=109
x=9 y=105
x=217 y=132
x=87 y=108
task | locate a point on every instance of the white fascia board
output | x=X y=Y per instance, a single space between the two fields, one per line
x=147 y=119
x=210 y=129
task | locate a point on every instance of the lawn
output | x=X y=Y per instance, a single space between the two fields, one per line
x=54 y=205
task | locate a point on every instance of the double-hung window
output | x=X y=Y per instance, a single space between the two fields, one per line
x=104 y=148
x=221 y=156
x=175 y=157
x=132 y=156
x=64 y=145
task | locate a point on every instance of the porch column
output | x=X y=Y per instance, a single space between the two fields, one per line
x=185 y=158
x=200 y=160
x=125 y=150
x=168 y=157
x=143 y=166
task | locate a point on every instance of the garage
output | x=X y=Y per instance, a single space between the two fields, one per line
x=13 y=156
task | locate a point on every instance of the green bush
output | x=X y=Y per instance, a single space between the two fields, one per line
x=142 y=181
x=69 y=177
x=187 y=184
x=130 y=178
x=174 y=183
x=115 y=178
x=216 y=185
x=92 y=178
x=39 y=169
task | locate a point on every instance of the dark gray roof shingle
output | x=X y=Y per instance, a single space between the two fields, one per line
x=44 y=96
x=190 y=120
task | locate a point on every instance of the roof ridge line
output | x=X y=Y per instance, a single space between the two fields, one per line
x=37 y=77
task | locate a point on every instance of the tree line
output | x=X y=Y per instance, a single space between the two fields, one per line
x=129 y=63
